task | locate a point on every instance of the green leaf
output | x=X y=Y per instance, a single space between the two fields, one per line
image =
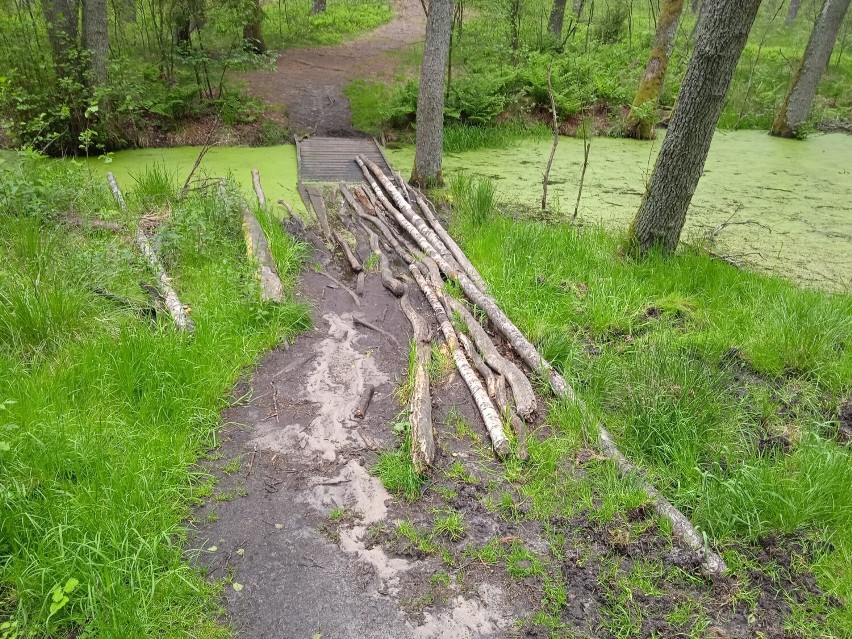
x=58 y=594
x=237 y=586
x=5 y=446
x=71 y=584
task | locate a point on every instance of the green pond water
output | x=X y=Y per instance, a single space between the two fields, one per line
x=799 y=192
x=276 y=164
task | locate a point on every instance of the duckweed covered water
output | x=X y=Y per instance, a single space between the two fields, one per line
x=791 y=200
x=276 y=164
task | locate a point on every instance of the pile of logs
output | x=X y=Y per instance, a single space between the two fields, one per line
x=393 y=214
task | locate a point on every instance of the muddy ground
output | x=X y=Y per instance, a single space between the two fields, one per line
x=309 y=543
x=309 y=82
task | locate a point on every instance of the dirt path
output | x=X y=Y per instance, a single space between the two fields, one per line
x=309 y=82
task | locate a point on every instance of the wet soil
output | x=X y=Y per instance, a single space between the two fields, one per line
x=308 y=542
x=309 y=82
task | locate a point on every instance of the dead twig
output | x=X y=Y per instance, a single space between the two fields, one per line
x=361 y=322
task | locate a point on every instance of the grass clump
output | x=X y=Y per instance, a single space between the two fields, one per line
x=104 y=412
x=395 y=468
x=724 y=384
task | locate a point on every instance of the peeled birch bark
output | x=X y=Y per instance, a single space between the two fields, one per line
x=712 y=563
x=521 y=388
x=479 y=364
x=420 y=406
x=172 y=301
x=450 y=243
x=258 y=189
x=480 y=396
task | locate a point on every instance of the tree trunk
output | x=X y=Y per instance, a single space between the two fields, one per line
x=429 y=140
x=655 y=73
x=96 y=39
x=61 y=18
x=720 y=38
x=793 y=11
x=796 y=108
x=577 y=7
x=515 y=21
x=557 y=16
x=318 y=6
x=253 y=30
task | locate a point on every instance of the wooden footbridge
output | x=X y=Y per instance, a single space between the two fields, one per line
x=333 y=159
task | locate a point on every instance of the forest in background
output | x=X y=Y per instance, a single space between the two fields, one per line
x=161 y=63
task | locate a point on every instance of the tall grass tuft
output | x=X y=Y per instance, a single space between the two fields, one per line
x=475 y=199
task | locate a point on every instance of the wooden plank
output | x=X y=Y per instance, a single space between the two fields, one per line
x=319 y=208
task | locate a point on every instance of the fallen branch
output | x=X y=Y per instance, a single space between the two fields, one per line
x=388 y=280
x=171 y=300
x=480 y=396
x=507 y=408
x=364 y=401
x=420 y=405
x=341 y=285
x=354 y=262
x=359 y=283
x=362 y=322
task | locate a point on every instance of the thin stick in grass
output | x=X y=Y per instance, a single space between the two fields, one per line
x=555 y=126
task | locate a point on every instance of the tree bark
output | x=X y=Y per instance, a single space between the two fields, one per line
x=577 y=7
x=720 y=38
x=420 y=406
x=96 y=39
x=61 y=18
x=794 y=112
x=318 y=6
x=655 y=72
x=793 y=11
x=429 y=140
x=253 y=30
x=557 y=17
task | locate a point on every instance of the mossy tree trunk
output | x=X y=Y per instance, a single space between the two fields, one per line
x=429 y=140
x=61 y=17
x=651 y=83
x=96 y=39
x=720 y=38
x=794 y=112
x=253 y=29
x=557 y=17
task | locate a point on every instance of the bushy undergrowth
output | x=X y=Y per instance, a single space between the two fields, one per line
x=291 y=23
x=596 y=68
x=724 y=384
x=103 y=411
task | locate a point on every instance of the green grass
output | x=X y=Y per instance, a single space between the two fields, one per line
x=290 y=24
x=692 y=364
x=104 y=413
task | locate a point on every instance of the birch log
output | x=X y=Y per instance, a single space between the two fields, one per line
x=172 y=302
x=354 y=262
x=450 y=243
x=712 y=563
x=480 y=396
x=388 y=280
x=404 y=210
x=420 y=406
x=505 y=405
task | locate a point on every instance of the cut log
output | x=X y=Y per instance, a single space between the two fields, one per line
x=420 y=406
x=364 y=401
x=289 y=208
x=450 y=243
x=508 y=409
x=712 y=563
x=354 y=262
x=350 y=199
x=359 y=284
x=522 y=390
x=258 y=189
x=479 y=364
x=172 y=301
x=257 y=246
x=480 y=396
x=403 y=209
